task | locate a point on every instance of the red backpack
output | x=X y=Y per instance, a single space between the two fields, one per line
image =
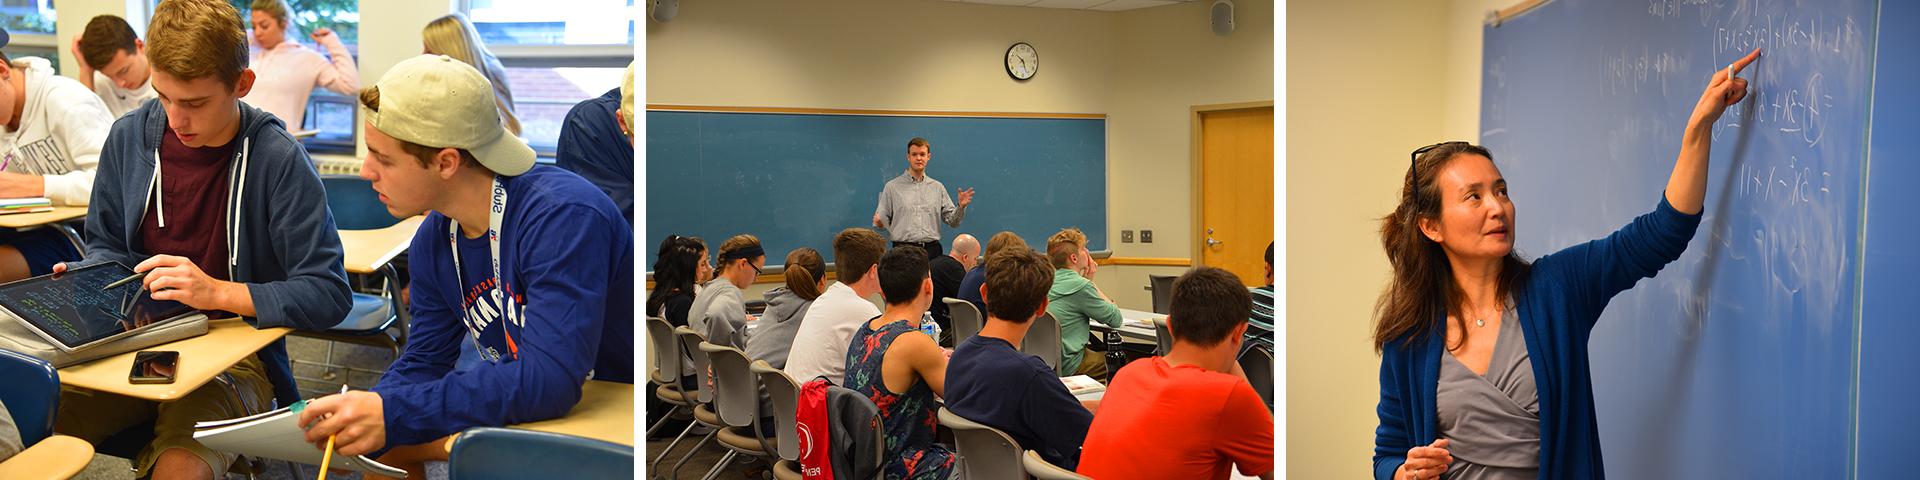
x=816 y=450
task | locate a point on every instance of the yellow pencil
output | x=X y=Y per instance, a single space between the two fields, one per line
x=327 y=457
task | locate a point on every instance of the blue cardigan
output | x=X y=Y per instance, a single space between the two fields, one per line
x=1557 y=306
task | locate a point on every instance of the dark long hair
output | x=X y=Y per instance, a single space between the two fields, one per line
x=673 y=270
x=1423 y=287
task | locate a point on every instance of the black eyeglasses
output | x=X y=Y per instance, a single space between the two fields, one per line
x=1415 y=160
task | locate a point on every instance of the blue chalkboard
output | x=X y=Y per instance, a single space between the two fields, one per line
x=1889 y=354
x=1738 y=360
x=797 y=179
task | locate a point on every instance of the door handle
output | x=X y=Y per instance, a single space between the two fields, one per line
x=1212 y=243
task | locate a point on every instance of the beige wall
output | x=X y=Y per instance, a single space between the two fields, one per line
x=1363 y=89
x=1144 y=68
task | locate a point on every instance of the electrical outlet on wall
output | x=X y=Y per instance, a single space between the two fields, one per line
x=1126 y=236
x=1146 y=236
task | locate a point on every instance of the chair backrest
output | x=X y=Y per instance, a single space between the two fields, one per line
x=1043 y=340
x=967 y=320
x=690 y=344
x=487 y=453
x=354 y=204
x=1258 y=363
x=785 y=395
x=32 y=393
x=1041 y=469
x=859 y=441
x=985 y=452
x=736 y=393
x=1162 y=286
x=665 y=369
x=1162 y=335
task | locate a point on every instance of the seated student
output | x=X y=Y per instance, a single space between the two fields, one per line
x=820 y=346
x=197 y=218
x=1220 y=423
x=806 y=277
x=50 y=145
x=990 y=381
x=289 y=71
x=902 y=369
x=596 y=141
x=970 y=284
x=527 y=260
x=1260 y=326
x=679 y=262
x=1075 y=301
x=718 y=310
x=947 y=271
x=10 y=442
x=113 y=63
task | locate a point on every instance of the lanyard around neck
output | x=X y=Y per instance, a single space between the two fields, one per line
x=495 y=213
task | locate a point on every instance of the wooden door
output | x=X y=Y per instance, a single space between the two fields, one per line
x=1235 y=191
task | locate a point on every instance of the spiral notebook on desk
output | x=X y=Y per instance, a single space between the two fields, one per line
x=277 y=435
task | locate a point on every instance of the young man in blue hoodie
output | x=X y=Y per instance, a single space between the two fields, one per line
x=217 y=203
x=532 y=262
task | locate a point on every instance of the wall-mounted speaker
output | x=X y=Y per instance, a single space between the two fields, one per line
x=664 y=10
x=1221 y=16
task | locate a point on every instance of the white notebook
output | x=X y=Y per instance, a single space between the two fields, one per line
x=277 y=435
x=1082 y=384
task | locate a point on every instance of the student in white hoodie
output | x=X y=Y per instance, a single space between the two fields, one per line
x=51 y=131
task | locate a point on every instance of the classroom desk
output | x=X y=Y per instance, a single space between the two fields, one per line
x=369 y=250
x=59 y=214
x=201 y=358
x=605 y=412
x=1137 y=326
x=57 y=456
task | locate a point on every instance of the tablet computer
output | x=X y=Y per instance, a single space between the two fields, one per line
x=73 y=310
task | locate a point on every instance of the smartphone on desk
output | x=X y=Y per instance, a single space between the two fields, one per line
x=153 y=366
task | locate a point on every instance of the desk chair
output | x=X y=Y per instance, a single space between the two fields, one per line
x=1258 y=363
x=1041 y=469
x=487 y=453
x=1162 y=288
x=664 y=369
x=32 y=396
x=356 y=206
x=738 y=403
x=785 y=394
x=1043 y=340
x=1162 y=335
x=967 y=319
x=985 y=452
x=701 y=398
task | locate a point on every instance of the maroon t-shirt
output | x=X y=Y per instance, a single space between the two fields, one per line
x=193 y=190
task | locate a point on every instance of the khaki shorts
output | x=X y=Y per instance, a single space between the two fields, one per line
x=94 y=416
x=1092 y=364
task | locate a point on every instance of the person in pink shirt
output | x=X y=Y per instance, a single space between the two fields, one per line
x=287 y=72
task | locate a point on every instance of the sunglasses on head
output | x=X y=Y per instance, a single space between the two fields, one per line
x=1414 y=162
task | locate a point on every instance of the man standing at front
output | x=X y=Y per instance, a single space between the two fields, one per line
x=912 y=206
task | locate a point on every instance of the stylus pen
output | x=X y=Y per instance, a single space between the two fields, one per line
x=124 y=281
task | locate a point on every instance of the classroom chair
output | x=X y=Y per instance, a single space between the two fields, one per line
x=985 y=452
x=738 y=405
x=1041 y=469
x=1258 y=363
x=855 y=414
x=701 y=398
x=664 y=369
x=1043 y=340
x=1162 y=335
x=967 y=319
x=785 y=396
x=32 y=397
x=374 y=316
x=486 y=453
x=1162 y=288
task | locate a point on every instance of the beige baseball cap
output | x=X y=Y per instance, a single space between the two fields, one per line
x=437 y=101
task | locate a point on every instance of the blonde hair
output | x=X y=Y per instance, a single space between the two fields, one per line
x=273 y=8
x=194 y=39
x=626 y=95
x=454 y=36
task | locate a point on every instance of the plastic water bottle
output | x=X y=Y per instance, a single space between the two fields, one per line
x=928 y=326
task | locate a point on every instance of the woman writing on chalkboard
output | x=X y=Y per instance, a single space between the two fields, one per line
x=1484 y=369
